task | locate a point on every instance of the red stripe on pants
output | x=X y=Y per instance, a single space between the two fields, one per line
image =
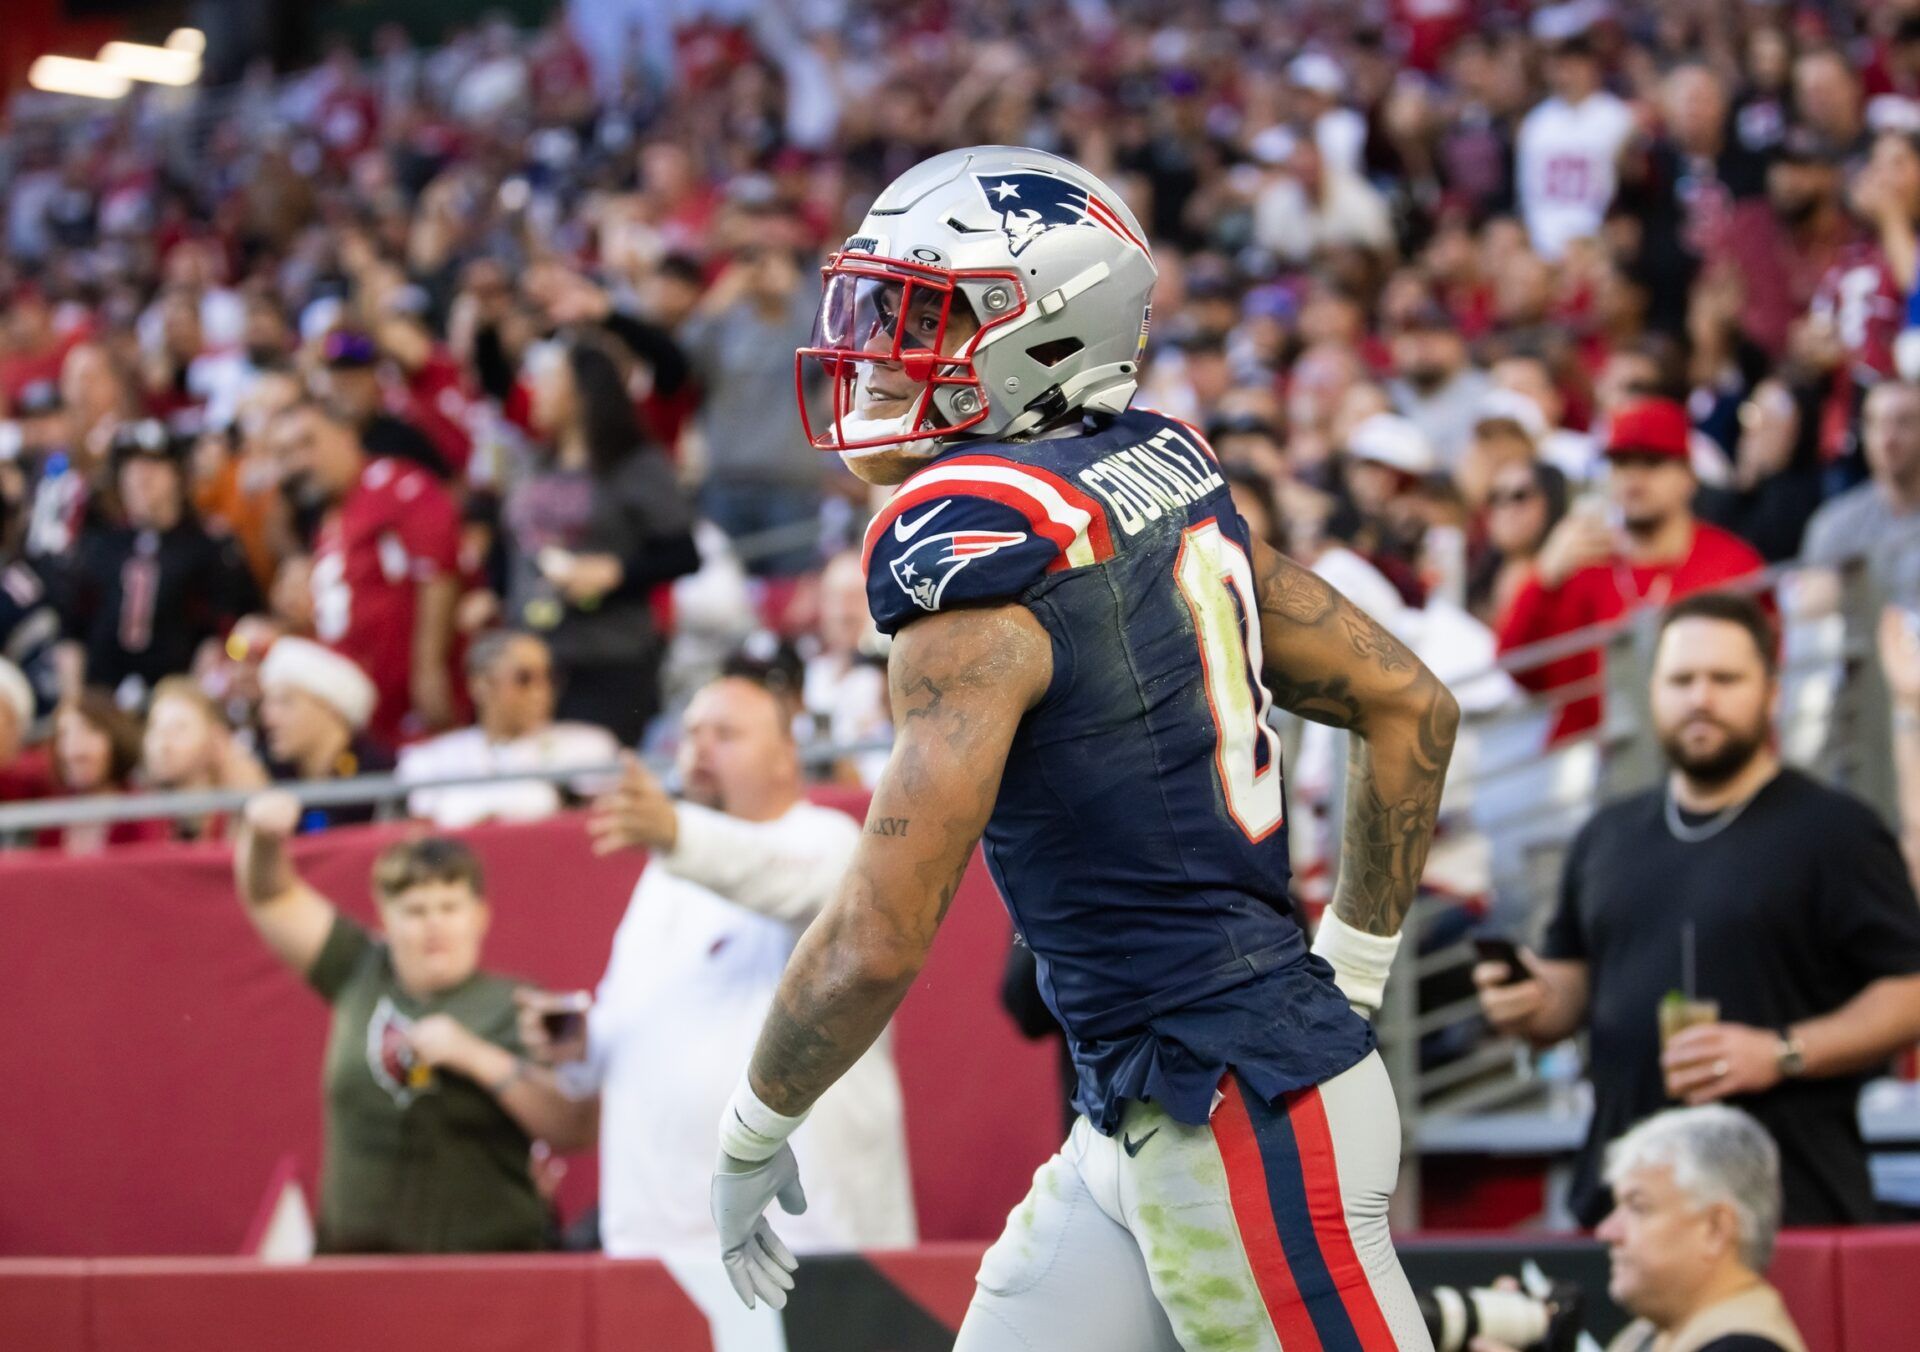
x=1253 y=1217
x=1321 y=1174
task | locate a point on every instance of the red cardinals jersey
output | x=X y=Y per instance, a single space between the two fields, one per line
x=393 y=530
x=1859 y=297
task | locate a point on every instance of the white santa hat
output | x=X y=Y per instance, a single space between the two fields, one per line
x=16 y=691
x=323 y=673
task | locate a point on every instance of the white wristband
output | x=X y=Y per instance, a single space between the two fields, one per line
x=1360 y=961
x=750 y=1131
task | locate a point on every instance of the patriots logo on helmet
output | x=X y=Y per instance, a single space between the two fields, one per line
x=1031 y=203
x=924 y=571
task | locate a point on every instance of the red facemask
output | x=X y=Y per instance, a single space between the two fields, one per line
x=878 y=339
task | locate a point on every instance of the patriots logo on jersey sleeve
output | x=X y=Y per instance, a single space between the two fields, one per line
x=1032 y=203
x=924 y=571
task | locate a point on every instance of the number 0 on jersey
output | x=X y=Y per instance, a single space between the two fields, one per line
x=1216 y=578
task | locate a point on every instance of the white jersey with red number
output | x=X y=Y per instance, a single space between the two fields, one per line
x=1566 y=165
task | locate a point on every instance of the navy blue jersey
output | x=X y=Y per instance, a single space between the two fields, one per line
x=1138 y=838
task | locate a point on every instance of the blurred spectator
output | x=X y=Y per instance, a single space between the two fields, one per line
x=1319 y=84
x=1879 y=521
x=141 y=597
x=95 y=396
x=1567 y=156
x=1311 y=204
x=24 y=772
x=1388 y=462
x=1527 y=393
x=1776 y=250
x=594 y=529
x=741 y=864
x=1773 y=912
x=1698 y=1284
x=236 y=482
x=1524 y=504
x=760 y=474
x=384 y=584
x=188 y=747
x=29 y=623
x=1436 y=384
x=1776 y=475
x=1692 y=1236
x=431 y=1110
x=314 y=708
x=845 y=687
x=349 y=382
x=1858 y=308
x=1899 y=650
x=1592 y=570
x=510 y=677
x=96 y=748
x=34 y=349
x=1682 y=186
x=1827 y=98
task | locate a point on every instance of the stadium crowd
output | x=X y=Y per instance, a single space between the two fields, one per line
x=1508 y=318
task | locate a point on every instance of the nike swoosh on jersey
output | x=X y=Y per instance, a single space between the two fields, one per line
x=904 y=532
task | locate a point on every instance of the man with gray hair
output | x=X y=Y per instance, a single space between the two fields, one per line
x=1696 y=1207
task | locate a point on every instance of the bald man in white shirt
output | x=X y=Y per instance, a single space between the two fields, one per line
x=741 y=864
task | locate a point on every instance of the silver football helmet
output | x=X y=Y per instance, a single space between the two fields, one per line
x=990 y=292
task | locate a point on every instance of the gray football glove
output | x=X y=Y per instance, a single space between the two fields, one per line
x=757 y=1263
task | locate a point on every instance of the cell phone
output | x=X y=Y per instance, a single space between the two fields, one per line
x=1494 y=948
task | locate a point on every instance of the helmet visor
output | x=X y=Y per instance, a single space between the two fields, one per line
x=888 y=337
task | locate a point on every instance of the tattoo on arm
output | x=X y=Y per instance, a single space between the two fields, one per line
x=1384 y=845
x=921 y=699
x=1368 y=639
x=1297 y=593
x=1328 y=660
x=959 y=689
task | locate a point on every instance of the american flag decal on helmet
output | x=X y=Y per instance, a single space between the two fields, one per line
x=924 y=571
x=1031 y=203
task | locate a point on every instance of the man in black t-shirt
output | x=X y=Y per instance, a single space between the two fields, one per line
x=1792 y=899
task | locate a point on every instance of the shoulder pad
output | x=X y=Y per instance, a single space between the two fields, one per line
x=976 y=528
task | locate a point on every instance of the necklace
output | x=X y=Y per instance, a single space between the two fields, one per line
x=1711 y=827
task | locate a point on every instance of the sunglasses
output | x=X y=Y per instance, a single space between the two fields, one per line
x=1511 y=496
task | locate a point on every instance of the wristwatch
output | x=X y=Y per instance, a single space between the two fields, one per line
x=1792 y=1057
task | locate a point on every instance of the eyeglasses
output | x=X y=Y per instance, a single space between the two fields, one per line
x=1511 y=496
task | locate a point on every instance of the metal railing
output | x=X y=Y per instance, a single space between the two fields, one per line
x=387 y=794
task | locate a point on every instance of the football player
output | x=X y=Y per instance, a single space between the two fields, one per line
x=1086 y=646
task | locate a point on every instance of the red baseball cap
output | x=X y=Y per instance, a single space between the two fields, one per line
x=1651 y=427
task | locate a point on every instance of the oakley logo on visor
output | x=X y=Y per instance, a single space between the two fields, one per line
x=1032 y=203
